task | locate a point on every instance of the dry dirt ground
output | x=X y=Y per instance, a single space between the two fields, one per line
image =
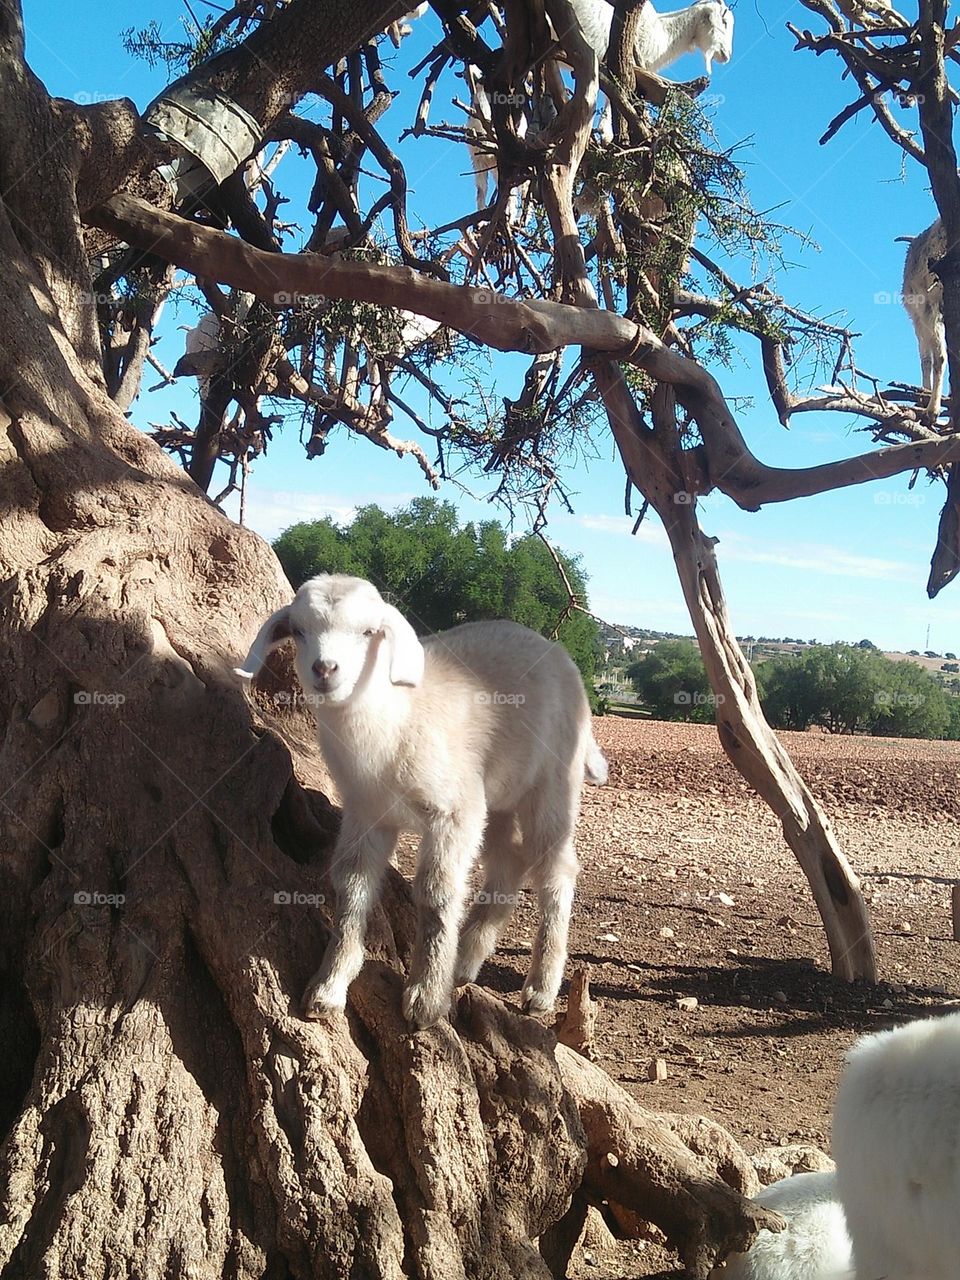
x=673 y=830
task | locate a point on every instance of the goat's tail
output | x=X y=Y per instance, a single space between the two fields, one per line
x=595 y=765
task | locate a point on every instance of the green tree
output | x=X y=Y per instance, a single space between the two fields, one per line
x=788 y=692
x=910 y=703
x=848 y=689
x=672 y=683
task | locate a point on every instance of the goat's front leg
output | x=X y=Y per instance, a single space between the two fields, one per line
x=359 y=861
x=447 y=853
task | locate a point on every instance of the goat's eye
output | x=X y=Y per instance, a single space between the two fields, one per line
x=297 y=633
x=370 y=631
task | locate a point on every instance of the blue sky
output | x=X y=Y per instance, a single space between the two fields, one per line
x=840 y=566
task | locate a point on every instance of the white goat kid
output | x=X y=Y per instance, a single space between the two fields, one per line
x=896 y=1141
x=923 y=300
x=814 y=1245
x=478 y=739
x=662 y=38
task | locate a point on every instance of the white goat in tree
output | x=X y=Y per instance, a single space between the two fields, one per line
x=923 y=299
x=479 y=739
x=661 y=39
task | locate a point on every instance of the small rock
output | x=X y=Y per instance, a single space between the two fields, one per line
x=608 y=937
x=780 y=997
x=666 y=932
x=657 y=1069
x=725 y=900
x=688 y=1003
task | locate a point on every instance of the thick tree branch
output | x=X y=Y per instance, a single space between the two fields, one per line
x=533 y=326
x=266 y=74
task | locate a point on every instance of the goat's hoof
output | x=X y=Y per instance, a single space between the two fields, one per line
x=421 y=1007
x=318 y=1006
x=465 y=976
x=534 y=1001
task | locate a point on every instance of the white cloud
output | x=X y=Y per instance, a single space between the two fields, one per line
x=649 y=532
x=811 y=557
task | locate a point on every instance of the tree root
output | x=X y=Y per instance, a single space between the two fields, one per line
x=640 y=1163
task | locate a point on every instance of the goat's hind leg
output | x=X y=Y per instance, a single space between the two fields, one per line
x=937 y=358
x=447 y=853
x=555 y=889
x=359 y=861
x=504 y=871
x=550 y=833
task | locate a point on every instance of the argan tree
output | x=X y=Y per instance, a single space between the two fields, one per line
x=166 y=1111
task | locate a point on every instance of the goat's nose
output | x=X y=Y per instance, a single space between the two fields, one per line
x=324 y=669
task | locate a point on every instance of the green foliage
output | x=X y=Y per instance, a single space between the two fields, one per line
x=849 y=689
x=200 y=43
x=443 y=573
x=672 y=683
x=843 y=688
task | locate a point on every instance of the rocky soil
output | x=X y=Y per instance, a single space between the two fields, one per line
x=688 y=890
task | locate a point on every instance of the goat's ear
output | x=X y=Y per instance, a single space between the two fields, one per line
x=274 y=631
x=406 y=651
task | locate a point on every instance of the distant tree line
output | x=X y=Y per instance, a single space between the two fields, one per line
x=843 y=688
x=442 y=573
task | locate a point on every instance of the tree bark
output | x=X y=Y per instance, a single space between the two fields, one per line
x=531 y=325
x=165 y=1111
x=169 y=1112
x=656 y=464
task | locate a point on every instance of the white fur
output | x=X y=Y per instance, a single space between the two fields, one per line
x=478 y=739
x=896 y=1140
x=813 y=1246
x=923 y=300
x=662 y=38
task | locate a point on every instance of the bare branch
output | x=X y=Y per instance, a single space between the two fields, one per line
x=533 y=326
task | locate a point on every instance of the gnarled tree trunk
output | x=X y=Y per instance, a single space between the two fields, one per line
x=165 y=1110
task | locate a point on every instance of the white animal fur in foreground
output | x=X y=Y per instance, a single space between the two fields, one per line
x=923 y=300
x=896 y=1141
x=478 y=739
x=813 y=1246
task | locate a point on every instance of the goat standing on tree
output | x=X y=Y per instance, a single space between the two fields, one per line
x=477 y=739
x=923 y=299
x=662 y=38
